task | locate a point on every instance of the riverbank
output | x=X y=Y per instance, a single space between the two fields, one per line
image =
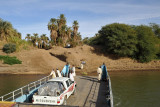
x=40 y=61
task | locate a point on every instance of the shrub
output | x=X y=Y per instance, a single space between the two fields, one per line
x=10 y=60
x=146 y=47
x=20 y=44
x=119 y=39
x=84 y=73
x=9 y=48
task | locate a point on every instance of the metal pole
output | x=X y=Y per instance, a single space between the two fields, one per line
x=13 y=95
x=28 y=88
x=21 y=91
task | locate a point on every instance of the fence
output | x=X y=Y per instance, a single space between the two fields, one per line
x=24 y=90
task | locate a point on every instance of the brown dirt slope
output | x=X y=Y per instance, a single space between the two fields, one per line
x=38 y=61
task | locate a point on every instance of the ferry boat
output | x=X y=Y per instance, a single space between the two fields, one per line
x=25 y=94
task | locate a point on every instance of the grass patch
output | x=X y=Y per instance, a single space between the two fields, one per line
x=20 y=44
x=10 y=60
x=84 y=73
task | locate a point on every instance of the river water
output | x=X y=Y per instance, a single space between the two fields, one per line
x=130 y=89
x=10 y=83
x=136 y=89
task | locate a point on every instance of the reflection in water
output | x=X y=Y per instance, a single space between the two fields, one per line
x=136 y=89
x=9 y=83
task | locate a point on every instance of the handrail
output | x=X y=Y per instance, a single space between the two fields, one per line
x=110 y=92
x=21 y=91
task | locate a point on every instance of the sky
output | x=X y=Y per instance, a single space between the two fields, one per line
x=32 y=16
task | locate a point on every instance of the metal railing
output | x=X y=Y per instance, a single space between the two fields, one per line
x=24 y=90
x=110 y=92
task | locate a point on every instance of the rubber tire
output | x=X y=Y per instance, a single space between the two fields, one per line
x=74 y=92
x=65 y=101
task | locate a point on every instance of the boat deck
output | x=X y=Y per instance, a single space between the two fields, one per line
x=89 y=93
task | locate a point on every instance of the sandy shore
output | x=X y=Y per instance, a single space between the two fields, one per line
x=40 y=61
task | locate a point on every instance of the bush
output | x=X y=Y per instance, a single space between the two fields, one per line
x=146 y=47
x=20 y=44
x=9 y=48
x=10 y=60
x=119 y=39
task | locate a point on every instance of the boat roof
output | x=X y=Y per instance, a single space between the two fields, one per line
x=59 y=79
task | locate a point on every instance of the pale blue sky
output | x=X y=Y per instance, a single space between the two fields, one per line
x=32 y=16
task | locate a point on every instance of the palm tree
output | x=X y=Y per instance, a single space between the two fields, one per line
x=69 y=31
x=75 y=29
x=44 y=39
x=53 y=27
x=61 y=21
x=63 y=33
x=28 y=37
x=16 y=33
x=39 y=43
x=5 y=30
x=34 y=38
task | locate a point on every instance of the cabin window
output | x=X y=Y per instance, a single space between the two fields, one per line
x=70 y=82
x=67 y=82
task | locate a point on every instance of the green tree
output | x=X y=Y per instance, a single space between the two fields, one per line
x=45 y=40
x=60 y=32
x=75 y=29
x=146 y=44
x=119 y=39
x=28 y=37
x=69 y=31
x=34 y=38
x=156 y=29
x=61 y=21
x=7 y=30
x=53 y=27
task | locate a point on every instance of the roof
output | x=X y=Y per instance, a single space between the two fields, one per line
x=59 y=79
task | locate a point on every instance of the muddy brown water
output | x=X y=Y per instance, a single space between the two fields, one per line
x=130 y=89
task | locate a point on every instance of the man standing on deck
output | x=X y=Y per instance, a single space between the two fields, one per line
x=53 y=73
x=65 y=70
x=58 y=72
x=99 y=71
x=104 y=72
x=74 y=70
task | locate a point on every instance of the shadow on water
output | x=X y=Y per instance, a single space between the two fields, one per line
x=97 y=94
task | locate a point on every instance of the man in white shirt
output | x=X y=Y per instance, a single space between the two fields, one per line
x=81 y=66
x=74 y=70
x=53 y=73
x=99 y=72
x=71 y=75
x=58 y=72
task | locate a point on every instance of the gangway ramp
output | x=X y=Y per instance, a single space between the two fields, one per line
x=90 y=92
